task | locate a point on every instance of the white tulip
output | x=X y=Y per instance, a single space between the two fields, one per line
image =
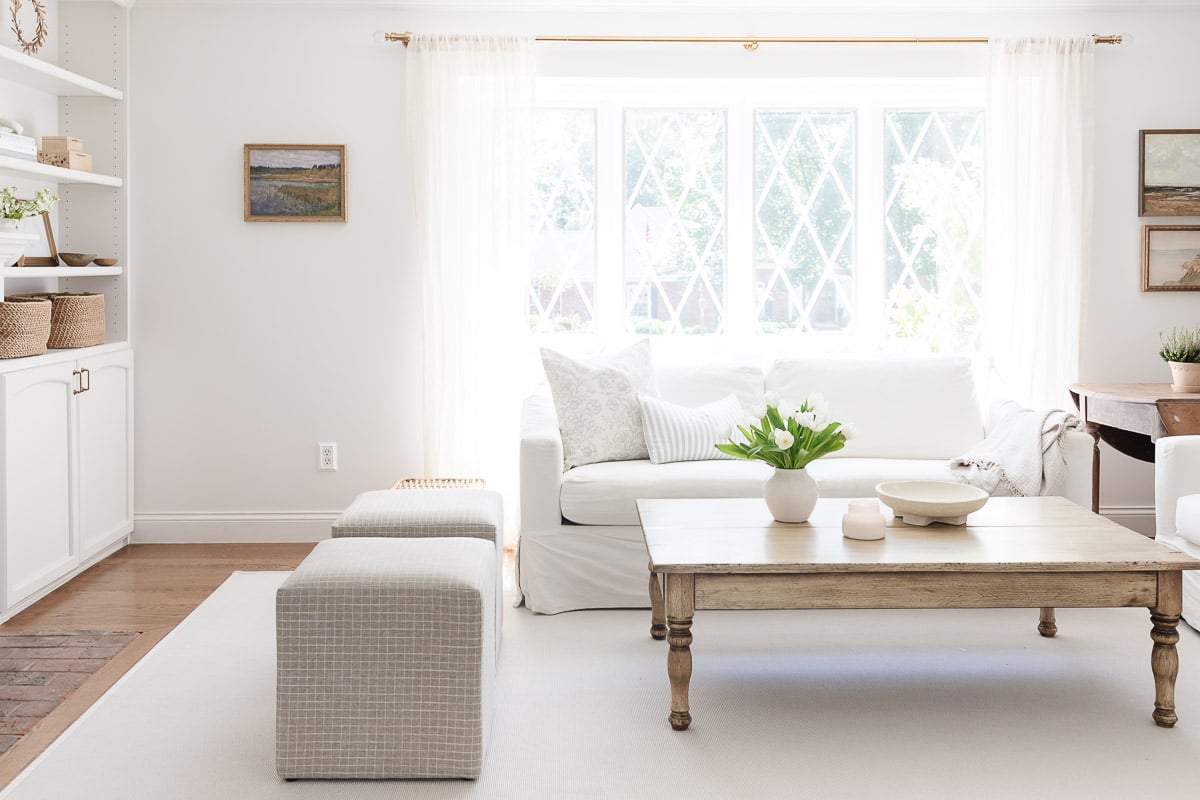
x=848 y=431
x=758 y=411
x=806 y=419
x=772 y=399
x=783 y=439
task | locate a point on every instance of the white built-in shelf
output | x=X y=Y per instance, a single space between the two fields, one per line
x=22 y=168
x=60 y=272
x=45 y=77
x=59 y=356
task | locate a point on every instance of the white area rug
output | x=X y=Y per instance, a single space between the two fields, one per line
x=814 y=704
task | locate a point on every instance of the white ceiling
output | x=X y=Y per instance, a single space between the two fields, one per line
x=810 y=6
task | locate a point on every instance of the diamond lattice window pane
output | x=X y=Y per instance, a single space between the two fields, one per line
x=674 y=221
x=934 y=221
x=562 y=278
x=804 y=220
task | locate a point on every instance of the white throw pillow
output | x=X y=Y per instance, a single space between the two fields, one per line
x=679 y=433
x=599 y=417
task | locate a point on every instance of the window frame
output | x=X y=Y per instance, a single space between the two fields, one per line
x=738 y=99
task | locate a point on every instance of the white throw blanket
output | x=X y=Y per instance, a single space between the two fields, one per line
x=1022 y=456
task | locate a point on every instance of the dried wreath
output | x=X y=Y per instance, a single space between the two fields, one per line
x=39 y=37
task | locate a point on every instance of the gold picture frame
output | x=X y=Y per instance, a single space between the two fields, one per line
x=1169 y=173
x=294 y=182
x=42 y=261
x=1171 y=258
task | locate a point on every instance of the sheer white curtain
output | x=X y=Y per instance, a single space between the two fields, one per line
x=469 y=113
x=1039 y=213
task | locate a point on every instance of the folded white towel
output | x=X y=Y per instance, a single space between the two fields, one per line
x=1022 y=456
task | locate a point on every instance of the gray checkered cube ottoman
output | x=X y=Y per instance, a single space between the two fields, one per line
x=386 y=659
x=422 y=513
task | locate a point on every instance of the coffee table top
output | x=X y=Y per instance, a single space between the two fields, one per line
x=1009 y=534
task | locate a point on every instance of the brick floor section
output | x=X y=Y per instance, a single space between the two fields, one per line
x=39 y=670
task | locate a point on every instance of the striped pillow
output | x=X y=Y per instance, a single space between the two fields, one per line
x=679 y=433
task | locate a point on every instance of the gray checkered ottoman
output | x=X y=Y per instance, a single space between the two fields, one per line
x=386 y=659
x=422 y=513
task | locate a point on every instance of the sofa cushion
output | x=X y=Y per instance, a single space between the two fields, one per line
x=596 y=401
x=1187 y=517
x=699 y=384
x=679 y=433
x=606 y=494
x=914 y=407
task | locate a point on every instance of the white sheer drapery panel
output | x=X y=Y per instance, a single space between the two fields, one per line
x=469 y=116
x=1039 y=214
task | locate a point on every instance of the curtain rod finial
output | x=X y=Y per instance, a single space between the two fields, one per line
x=379 y=37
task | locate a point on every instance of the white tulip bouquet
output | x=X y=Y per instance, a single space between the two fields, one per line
x=788 y=435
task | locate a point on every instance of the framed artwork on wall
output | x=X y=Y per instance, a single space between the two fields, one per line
x=1171 y=258
x=41 y=253
x=1169 y=173
x=295 y=182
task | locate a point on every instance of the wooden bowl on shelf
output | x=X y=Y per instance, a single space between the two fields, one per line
x=77 y=259
x=104 y=262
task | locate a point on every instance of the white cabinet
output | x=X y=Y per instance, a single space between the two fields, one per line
x=104 y=437
x=66 y=422
x=67 y=467
x=39 y=434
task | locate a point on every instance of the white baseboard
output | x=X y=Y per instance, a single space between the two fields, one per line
x=201 y=527
x=1138 y=518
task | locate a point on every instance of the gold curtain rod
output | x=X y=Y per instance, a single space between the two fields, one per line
x=751 y=43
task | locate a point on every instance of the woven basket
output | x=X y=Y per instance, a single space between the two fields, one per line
x=24 y=326
x=77 y=320
x=439 y=483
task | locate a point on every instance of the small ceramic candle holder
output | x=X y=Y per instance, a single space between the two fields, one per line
x=864 y=520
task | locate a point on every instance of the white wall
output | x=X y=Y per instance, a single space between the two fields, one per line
x=255 y=341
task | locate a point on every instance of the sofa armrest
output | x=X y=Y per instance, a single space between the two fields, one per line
x=541 y=464
x=1176 y=473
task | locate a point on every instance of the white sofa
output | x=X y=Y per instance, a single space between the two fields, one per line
x=1177 y=509
x=581 y=545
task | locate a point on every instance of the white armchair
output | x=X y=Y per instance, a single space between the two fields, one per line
x=1177 y=509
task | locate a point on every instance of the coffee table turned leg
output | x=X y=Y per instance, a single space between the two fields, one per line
x=1164 y=659
x=658 y=616
x=1047 y=626
x=681 y=605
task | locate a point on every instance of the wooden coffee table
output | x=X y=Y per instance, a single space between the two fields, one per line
x=1021 y=552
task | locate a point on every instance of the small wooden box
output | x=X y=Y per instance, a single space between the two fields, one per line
x=62 y=144
x=70 y=160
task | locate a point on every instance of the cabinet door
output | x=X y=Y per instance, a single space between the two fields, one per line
x=105 y=447
x=39 y=545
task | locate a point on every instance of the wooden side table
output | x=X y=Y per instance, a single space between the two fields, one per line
x=1130 y=418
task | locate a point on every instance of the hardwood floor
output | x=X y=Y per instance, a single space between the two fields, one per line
x=147 y=588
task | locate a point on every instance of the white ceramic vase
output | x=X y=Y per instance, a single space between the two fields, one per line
x=791 y=494
x=1185 y=377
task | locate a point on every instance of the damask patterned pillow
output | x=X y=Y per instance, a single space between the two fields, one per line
x=599 y=416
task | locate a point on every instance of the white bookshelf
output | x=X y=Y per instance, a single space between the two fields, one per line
x=43 y=76
x=67 y=487
x=19 y=167
x=61 y=272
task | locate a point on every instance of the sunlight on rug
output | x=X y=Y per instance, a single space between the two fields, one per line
x=38 y=670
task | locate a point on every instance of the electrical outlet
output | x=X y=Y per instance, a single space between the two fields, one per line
x=327 y=456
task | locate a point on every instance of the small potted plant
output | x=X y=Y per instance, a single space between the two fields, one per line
x=1181 y=350
x=789 y=436
x=12 y=211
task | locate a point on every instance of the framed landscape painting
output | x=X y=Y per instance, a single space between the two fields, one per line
x=1171 y=258
x=1170 y=173
x=295 y=182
